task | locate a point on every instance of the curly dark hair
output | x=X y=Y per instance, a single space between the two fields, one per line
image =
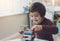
x=39 y=7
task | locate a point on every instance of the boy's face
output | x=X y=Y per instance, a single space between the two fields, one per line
x=35 y=17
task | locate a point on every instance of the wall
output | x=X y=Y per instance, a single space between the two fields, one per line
x=10 y=24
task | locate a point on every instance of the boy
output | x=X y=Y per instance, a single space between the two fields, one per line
x=43 y=28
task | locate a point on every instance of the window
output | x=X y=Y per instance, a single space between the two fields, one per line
x=11 y=7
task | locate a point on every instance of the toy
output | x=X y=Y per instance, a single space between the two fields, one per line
x=27 y=35
x=58 y=25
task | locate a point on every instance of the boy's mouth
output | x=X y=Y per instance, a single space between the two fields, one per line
x=35 y=22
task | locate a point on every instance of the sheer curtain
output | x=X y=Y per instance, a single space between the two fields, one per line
x=11 y=7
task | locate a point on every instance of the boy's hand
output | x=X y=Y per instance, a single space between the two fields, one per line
x=36 y=28
x=21 y=31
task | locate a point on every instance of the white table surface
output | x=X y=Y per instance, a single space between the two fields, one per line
x=15 y=40
x=22 y=40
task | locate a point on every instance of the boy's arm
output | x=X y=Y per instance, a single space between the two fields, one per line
x=51 y=29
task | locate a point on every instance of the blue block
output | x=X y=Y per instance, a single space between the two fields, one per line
x=28 y=33
x=58 y=25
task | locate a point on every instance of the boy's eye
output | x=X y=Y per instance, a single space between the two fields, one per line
x=31 y=16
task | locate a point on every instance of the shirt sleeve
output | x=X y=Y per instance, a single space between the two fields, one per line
x=51 y=29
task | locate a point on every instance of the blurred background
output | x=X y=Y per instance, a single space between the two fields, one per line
x=14 y=13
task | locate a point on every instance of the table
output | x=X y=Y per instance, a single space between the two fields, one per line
x=15 y=40
x=22 y=40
